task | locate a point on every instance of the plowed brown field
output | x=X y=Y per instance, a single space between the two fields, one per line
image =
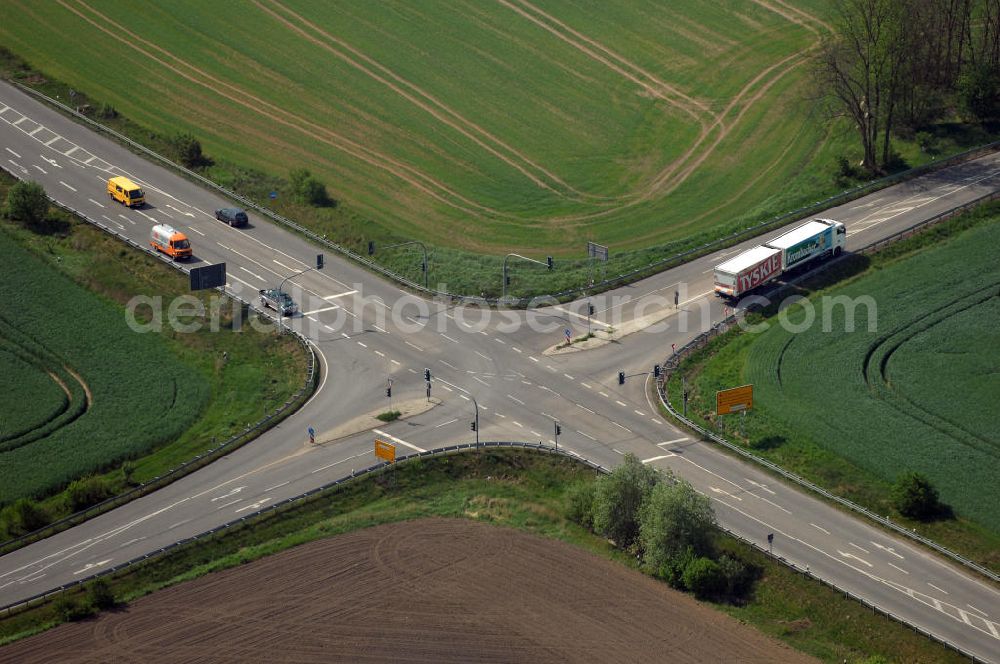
x=433 y=590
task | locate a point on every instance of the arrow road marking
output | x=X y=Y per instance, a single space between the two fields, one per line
x=718 y=490
x=90 y=566
x=231 y=493
x=854 y=557
x=888 y=549
x=759 y=485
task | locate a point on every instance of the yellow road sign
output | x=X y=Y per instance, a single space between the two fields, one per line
x=384 y=450
x=734 y=400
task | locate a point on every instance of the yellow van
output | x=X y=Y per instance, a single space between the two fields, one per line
x=126 y=192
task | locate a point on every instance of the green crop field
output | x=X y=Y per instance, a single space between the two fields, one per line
x=917 y=393
x=80 y=389
x=515 y=125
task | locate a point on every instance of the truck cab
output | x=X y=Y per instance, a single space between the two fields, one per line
x=173 y=243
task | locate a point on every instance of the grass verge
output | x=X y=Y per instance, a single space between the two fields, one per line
x=723 y=363
x=248 y=372
x=516 y=488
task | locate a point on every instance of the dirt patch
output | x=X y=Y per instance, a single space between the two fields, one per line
x=433 y=590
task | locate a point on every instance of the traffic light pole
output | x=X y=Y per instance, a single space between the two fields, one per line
x=475 y=424
x=319 y=266
x=506 y=278
x=371 y=252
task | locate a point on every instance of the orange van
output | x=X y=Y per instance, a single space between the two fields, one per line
x=170 y=241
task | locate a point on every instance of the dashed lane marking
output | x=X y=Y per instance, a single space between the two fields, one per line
x=819 y=528
x=398 y=440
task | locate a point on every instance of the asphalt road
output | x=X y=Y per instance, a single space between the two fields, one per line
x=367 y=331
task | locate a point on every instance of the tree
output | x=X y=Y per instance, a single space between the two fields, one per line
x=979 y=91
x=862 y=68
x=27 y=202
x=675 y=519
x=915 y=497
x=23 y=517
x=306 y=189
x=580 y=503
x=100 y=595
x=619 y=496
x=704 y=578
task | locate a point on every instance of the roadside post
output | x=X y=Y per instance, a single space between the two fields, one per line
x=569 y=338
x=770 y=544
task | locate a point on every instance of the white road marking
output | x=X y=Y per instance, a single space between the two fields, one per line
x=535 y=433
x=760 y=486
x=618 y=450
x=515 y=399
x=319 y=311
x=657 y=458
x=620 y=403
x=499 y=340
x=550 y=367
x=398 y=440
x=380 y=329
x=532 y=358
x=165 y=213
x=819 y=528
x=586 y=435
x=277 y=486
x=40 y=168
x=622 y=427
x=518 y=423
x=516 y=349
x=316 y=320
x=11 y=151
x=127 y=219
x=224 y=505
x=100 y=205
x=438 y=426
x=587 y=386
x=887 y=549
x=938 y=589
x=380 y=353
x=481 y=380
x=363 y=345
x=854 y=557
x=485 y=357
x=449 y=338
x=975 y=609
x=331 y=297
x=464 y=397
x=245 y=283
x=67 y=186
x=192 y=228
x=723 y=491
x=568 y=376
x=586 y=409
x=671 y=442
x=448 y=364
x=253 y=506
x=859 y=548
x=413 y=346
x=337 y=463
x=252 y=274
x=639 y=412
x=899 y=568
x=604 y=394
x=90 y=566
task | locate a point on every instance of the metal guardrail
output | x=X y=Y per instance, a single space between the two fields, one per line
x=672 y=363
x=291 y=502
x=621 y=279
x=198 y=461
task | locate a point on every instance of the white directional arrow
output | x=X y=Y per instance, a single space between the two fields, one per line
x=51 y=161
x=90 y=566
x=758 y=484
x=187 y=214
x=888 y=549
x=231 y=493
x=717 y=490
x=851 y=555
x=254 y=506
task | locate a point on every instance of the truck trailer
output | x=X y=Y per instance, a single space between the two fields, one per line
x=757 y=266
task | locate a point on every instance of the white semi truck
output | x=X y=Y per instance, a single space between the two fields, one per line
x=759 y=265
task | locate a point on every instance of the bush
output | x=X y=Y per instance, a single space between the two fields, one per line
x=70 y=609
x=100 y=595
x=925 y=140
x=845 y=172
x=619 y=496
x=23 y=517
x=107 y=112
x=915 y=497
x=188 y=150
x=704 y=578
x=307 y=190
x=86 y=492
x=580 y=503
x=674 y=520
x=27 y=202
x=739 y=577
x=979 y=91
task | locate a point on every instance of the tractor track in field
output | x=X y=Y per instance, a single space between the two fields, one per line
x=405 y=172
x=428 y=103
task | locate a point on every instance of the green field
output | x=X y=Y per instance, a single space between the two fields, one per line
x=487 y=127
x=125 y=392
x=918 y=393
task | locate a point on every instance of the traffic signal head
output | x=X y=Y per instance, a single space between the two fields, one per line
x=472 y=425
x=621 y=377
x=558 y=429
x=590 y=309
x=548 y=259
x=319 y=261
x=388 y=392
x=656 y=371
x=371 y=248
x=427 y=374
